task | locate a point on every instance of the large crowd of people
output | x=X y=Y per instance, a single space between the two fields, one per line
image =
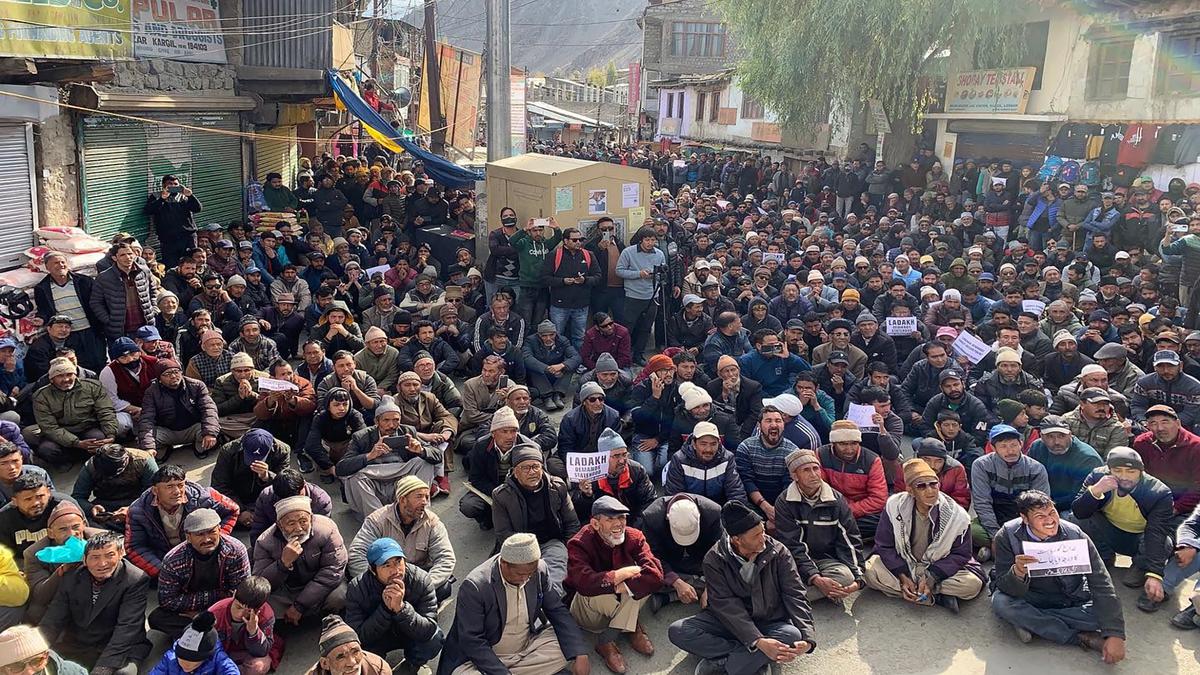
x=734 y=383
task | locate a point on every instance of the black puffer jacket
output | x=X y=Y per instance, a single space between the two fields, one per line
x=108 y=299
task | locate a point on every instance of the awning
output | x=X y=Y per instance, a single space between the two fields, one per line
x=440 y=169
x=89 y=96
x=557 y=114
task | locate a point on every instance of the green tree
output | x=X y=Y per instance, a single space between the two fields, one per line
x=610 y=74
x=595 y=77
x=796 y=56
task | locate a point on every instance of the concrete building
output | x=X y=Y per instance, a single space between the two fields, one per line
x=1096 y=63
x=679 y=37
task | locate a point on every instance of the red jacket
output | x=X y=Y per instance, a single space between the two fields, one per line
x=591 y=563
x=596 y=343
x=860 y=481
x=1176 y=465
x=953 y=479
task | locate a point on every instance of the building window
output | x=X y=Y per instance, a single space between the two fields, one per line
x=1108 y=74
x=697 y=39
x=751 y=109
x=670 y=104
x=701 y=100
x=715 y=107
x=1179 y=65
x=679 y=112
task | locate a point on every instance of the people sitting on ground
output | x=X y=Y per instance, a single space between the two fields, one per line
x=997 y=479
x=623 y=479
x=74 y=416
x=680 y=530
x=304 y=558
x=154 y=524
x=380 y=455
x=245 y=625
x=393 y=607
x=246 y=466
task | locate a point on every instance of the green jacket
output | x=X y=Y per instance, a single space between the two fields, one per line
x=63 y=415
x=532 y=255
x=279 y=198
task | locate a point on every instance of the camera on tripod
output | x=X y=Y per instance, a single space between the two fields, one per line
x=661 y=275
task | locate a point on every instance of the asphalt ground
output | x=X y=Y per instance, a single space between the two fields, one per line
x=870 y=634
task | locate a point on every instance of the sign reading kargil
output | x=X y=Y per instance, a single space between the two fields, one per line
x=1004 y=90
x=182 y=30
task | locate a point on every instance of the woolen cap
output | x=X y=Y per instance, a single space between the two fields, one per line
x=915 y=469
x=241 y=360
x=408 y=484
x=294 y=503
x=929 y=447
x=20 y=643
x=590 y=389
x=504 y=418
x=61 y=366
x=335 y=633
x=1121 y=456
x=693 y=396
x=1063 y=336
x=609 y=440
x=521 y=549
x=199 y=639
x=526 y=452
x=737 y=518
x=605 y=363
x=845 y=431
x=799 y=458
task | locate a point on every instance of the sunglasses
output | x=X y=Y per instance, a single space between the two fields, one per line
x=211 y=288
x=926 y=486
x=35 y=663
x=593 y=399
x=575 y=239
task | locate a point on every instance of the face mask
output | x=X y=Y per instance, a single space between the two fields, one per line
x=509 y=221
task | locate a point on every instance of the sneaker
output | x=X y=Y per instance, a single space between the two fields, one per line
x=1023 y=635
x=1186 y=619
x=307 y=465
x=984 y=554
x=443 y=485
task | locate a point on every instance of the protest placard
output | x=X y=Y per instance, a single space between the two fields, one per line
x=900 y=326
x=583 y=466
x=971 y=347
x=1058 y=558
x=270 y=384
x=1033 y=307
x=862 y=415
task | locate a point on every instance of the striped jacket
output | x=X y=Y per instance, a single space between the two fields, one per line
x=716 y=479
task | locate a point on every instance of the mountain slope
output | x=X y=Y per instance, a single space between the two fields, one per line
x=550 y=36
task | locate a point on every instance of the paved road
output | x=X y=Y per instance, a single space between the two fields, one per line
x=872 y=634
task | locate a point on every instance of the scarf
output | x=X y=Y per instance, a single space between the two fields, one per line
x=950 y=522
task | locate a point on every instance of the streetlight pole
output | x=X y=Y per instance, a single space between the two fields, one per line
x=499 y=81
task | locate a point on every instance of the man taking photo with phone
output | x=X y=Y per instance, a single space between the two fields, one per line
x=173 y=210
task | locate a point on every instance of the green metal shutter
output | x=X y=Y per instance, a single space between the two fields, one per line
x=275 y=151
x=125 y=160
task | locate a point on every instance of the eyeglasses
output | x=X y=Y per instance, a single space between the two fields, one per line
x=533 y=467
x=926 y=486
x=575 y=239
x=34 y=663
x=209 y=287
x=593 y=399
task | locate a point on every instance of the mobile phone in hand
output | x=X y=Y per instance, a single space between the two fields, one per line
x=504 y=382
x=399 y=442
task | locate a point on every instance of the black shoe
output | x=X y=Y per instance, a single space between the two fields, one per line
x=328 y=479
x=306 y=463
x=1147 y=605
x=1134 y=577
x=1186 y=619
x=948 y=601
x=201 y=454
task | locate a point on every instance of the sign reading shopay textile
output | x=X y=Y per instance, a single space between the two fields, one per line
x=583 y=466
x=182 y=30
x=1005 y=90
x=1058 y=558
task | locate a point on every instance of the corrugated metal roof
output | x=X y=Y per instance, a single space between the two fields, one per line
x=566 y=116
x=692 y=80
x=305 y=43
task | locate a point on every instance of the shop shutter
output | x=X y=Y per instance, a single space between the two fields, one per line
x=1020 y=149
x=275 y=151
x=16 y=198
x=125 y=160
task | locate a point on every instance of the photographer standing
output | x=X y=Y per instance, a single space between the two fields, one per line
x=636 y=265
x=172 y=210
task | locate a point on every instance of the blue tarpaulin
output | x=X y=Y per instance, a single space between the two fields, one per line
x=440 y=169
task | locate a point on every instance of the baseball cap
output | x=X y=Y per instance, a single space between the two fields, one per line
x=1161 y=409
x=840 y=357
x=1054 y=424
x=703 y=429
x=950 y=374
x=1002 y=430
x=1166 y=356
x=1094 y=395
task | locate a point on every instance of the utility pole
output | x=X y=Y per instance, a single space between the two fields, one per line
x=499 y=80
x=433 y=77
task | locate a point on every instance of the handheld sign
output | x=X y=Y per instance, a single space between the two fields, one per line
x=862 y=415
x=583 y=466
x=1033 y=307
x=900 y=326
x=270 y=384
x=1058 y=558
x=970 y=346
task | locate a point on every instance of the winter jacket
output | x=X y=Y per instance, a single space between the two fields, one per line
x=1176 y=465
x=264 y=507
x=510 y=513
x=107 y=301
x=577 y=433
x=719 y=344
x=1182 y=394
x=953 y=480
x=632 y=487
x=596 y=343
x=682 y=333
x=960 y=557
x=356 y=457
x=113 y=492
x=684 y=423
x=976 y=417
x=822 y=530
x=176 y=591
x=591 y=562
x=425 y=541
x=379 y=628
x=992 y=388
x=860 y=481
x=538 y=356
x=63 y=415
x=562 y=264
x=774 y=594
x=232 y=477
x=748 y=405
x=995 y=486
x=315 y=574
x=1101 y=437
x=161 y=407
x=1066 y=472
x=776 y=375
x=533 y=254
x=674 y=558
x=146 y=540
x=1153 y=500
x=113 y=623
x=1059 y=592
x=716 y=479
x=445 y=356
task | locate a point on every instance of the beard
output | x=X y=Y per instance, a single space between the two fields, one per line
x=614 y=539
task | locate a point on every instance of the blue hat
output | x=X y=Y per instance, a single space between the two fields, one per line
x=147 y=333
x=609 y=440
x=8 y=342
x=987 y=276
x=257 y=444
x=122 y=346
x=1002 y=430
x=253 y=270
x=382 y=550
